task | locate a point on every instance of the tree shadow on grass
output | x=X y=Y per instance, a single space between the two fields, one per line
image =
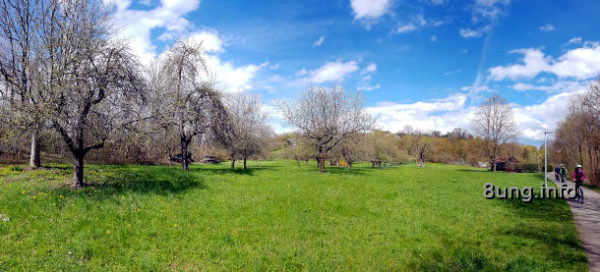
x=238 y=170
x=476 y=170
x=342 y=171
x=121 y=180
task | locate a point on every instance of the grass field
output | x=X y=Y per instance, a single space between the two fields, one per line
x=278 y=217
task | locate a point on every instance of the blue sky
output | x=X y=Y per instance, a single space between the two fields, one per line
x=427 y=63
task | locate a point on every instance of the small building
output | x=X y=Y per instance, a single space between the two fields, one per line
x=509 y=164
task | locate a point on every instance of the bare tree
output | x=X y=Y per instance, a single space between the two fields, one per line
x=184 y=103
x=577 y=139
x=91 y=84
x=494 y=122
x=421 y=146
x=18 y=42
x=248 y=121
x=327 y=117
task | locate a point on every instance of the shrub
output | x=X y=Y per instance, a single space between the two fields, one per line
x=530 y=168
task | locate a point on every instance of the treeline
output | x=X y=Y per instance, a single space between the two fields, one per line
x=577 y=138
x=381 y=148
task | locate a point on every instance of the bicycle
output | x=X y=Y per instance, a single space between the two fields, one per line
x=580 y=194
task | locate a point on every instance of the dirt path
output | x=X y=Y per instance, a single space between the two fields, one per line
x=587 y=220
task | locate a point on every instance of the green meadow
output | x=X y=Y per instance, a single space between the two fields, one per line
x=280 y=217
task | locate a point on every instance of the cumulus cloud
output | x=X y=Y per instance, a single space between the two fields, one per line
x=136 y=24
x=453 y=112
x=319 y=41
x=547 y=28
x=370 y=9
x=372 y=67
x=533 y=120
x=211 y=42
x=442 y=114
x=231 y=78
x=331 y=72
x=580 y=63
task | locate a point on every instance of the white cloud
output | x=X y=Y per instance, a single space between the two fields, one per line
x=211 y=42
x=418 y=21
x=473 y=33
x=484 y=15
x=370 y=9
x=145 y=2
x=535 y=119
x=438 y=2
x=406 y=28
x=547 y=28
x=368 y=88
x=560 y=86
x=372 y=67
x=137 y=24
x=580 y=63
x=442 y=114
x=433 y=38
x=302 y=72
x=230 y=78
x=319 y=41
x=575 y=40
x=332 y=72
x=488 y=9
x=453 y=112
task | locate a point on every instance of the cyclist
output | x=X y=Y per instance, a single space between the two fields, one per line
x=556 y=173
x=563 y=173
x=578 y=178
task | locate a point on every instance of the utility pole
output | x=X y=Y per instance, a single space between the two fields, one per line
x=546 y=158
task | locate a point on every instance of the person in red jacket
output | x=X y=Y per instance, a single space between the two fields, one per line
x=578 y=177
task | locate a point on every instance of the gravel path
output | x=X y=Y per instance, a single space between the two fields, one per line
x=587 y=220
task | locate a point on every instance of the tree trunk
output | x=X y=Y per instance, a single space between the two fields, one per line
x=245 y=157
x=298 y=163
x=232 y=163
x=322 y=164
x=78 y=170
x=184 y=156
x=34 y=156
x=494 y=166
